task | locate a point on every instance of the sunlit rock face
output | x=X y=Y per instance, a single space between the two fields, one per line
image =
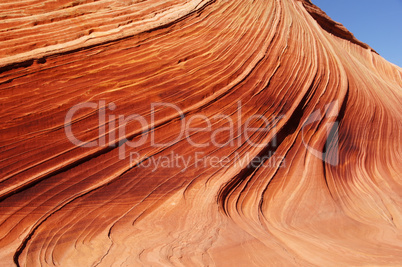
x=195 y=133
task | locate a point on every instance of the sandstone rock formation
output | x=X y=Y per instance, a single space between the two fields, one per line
x=328 y=188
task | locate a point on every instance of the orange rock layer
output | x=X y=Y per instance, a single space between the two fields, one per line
x=284 y=60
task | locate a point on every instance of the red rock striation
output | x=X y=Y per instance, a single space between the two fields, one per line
x=296 y=160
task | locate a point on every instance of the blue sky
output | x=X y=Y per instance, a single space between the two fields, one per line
x=376 y=23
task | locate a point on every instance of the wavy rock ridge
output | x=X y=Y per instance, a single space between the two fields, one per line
x=326 y=193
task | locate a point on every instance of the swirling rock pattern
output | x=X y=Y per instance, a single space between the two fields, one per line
x=68 y=205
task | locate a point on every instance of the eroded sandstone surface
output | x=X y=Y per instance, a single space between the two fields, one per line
x=319 y=184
